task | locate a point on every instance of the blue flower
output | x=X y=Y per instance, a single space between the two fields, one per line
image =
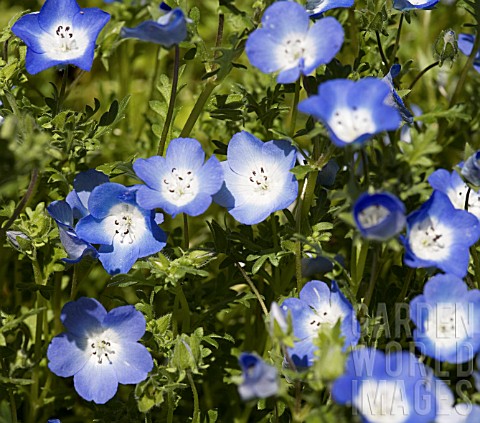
x=465 y=44
x=316 y=8
x=439 y=235
x=457 y=190
x=353 y=112
x=379 y=216
x=257 y=178
x=285 y=43
x=259 y=379
x=99 y=349
x=124 y=230
x=386 y=388
x=446 y=316
x=394 y=99
x=75 y=247
x=180 y=182
x=405 y=5
x=60 y=34
x=169 y=29
x=319 y=306
x=471 y=168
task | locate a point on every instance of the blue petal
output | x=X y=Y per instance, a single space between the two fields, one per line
x=132 y=363
x=55 y=12
x=185 y=153
x=173 y=31
x=67 y=354
x=290 y=75
x=301 y=314
x=95 y=231
x=107 y=195
x=75 y=247
x=83 y=317
x=464 y=42
x=198 y=206
x=405 y=5
x=61 y=212
x=85 y=182
x=211 y=176
x=119 y=257
x=28 y=29
x=261 y=49
x=317 y=7
x=243 y=153
x=151 y=172
x=127 y=322
x=303 y=353
x=96 y=382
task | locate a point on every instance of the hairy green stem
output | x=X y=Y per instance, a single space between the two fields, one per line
x=375 y=270
x=276 y=276
x=171 y=103
x=196 y=405
x=406 y=285
x=185 y=308
x=382 y=53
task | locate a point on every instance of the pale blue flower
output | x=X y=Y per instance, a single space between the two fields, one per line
x=181 y=182
x=60 y=34
x=287 y=44
x=471 y=168
x=316 y=8
x=99 y=349
x=353 y=111
x=446 y=317
x=260 y=380
x=394 y=99
x=257 y=176
x=465 y=45
x=405 y=5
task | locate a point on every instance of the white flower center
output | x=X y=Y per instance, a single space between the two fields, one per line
x=293 y=50
x=127 y=222
x=65 y=39
x=349 y=124
x=180 y=186
x=102 y=348
x=430 y=240
x=373 y=215
x=448 y=323
x=260 y=181
x=382 y=401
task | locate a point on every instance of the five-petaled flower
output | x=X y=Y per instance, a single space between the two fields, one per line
x=353 y=111
x=169 y=29
x=124 y=230
x=379 y=216
x=180 y=182
x=287 y=44
x=99 y=349
x=446 y=316
x=60 y=34
x=405 y=5
x=260 y=380
x=257 y=178
x=439 y=235
x=318 y=307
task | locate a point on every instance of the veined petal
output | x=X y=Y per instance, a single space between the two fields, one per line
x=244 y=152
x=132 y=363
x=96 y=231
x=119 y=257
x=28 y=29
x=185 y=153
x=127 y=322
x=83 y=316
x=67 y=354
x=151 y=171
x=96 y=381
x=55 y=11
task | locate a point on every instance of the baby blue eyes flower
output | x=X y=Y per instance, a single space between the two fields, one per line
x=353 y=111
x=379 y=216
x=319 y=306
x=169 y=29
x=287 y=44
x=181 y=182
x=394 y=99
x=471 y=169
x=124 y=230
x=257 y=178
x=465 y=44
x=457 y=190
x=446 y=316
x=439 y=235
x=405 y=5
x=317 y=7
x=60 y=34
x=259 y=378
x=99 y=349
x=386 y=388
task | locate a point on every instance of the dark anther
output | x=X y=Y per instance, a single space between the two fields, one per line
x=125 y=233
x=258 y=183
x=93 y=345
x=254 y=173
x=165 y=182
x=171 y=190
x=189 y=172
x=67 y=28
x=180 y=178
x=261 y=170
x=117 y=231
x=251 y=179
x=70 y=35
x=174 y=169
x=117 y=222
x=188 y=186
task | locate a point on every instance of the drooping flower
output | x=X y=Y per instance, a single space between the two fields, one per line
x=259 y=378
x=352 y=111
x=99 y=349
x=181 y=182
x=316 y=8
x=379 y=216
x=386 y=388
x=60 y=34
x=457 y=190
x=319 y=306
x=405 y=5
x=394 y=99
x=465 y=44
x=168 y=30
x=75 y=247
x=287 y=44
x=124 y=230
x=439 y=235
x=446 y=316
x=471 y=168
x=257 y=178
